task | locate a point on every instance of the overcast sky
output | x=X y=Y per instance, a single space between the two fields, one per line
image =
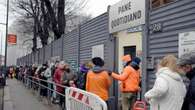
x=94 y=8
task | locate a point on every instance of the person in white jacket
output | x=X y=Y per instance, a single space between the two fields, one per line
x=48 y=75
x=169 y=90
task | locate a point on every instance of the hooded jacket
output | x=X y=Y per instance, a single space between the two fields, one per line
x=82 y=76
x=130 y=79
x=168 y=91
x=98 y=82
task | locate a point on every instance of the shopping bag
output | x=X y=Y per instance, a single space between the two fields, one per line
x=140 y=105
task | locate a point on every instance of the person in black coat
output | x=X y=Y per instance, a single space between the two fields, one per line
x=43 y=90
x=186 y=62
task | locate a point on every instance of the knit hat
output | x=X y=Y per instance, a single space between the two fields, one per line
x=136 y=61
x=97 y=61
x=187 y=59
x=126 y=58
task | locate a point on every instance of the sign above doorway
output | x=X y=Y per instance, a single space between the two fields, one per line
x=126 y=14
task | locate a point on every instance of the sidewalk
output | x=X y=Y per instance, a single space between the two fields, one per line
x=1 y=98
x=17 y=97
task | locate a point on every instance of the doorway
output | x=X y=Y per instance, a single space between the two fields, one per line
x=130 y=50
x=128 y=43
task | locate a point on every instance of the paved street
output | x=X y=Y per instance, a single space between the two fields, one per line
x=19 y=98
x=1 y=98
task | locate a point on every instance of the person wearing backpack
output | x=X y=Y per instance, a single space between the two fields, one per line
x=130 y=80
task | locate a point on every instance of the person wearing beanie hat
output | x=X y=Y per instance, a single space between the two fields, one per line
x=98 y=80
x=130 y=80
x=186 y=63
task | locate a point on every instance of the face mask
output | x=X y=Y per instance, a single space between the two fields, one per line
x=124 y=63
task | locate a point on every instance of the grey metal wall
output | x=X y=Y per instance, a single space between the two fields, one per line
x=71 y=43
x=95 y=32
x=57 y=48
x=37 y=57
x=48 y=53
x=33 y=58
x=41 y=55
x=30 y=59
x=77 y=45
x=176 y=18
x=25 y=60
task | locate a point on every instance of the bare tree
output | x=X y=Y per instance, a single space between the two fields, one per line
x=35 y=9
x=66 y=8
x=29 y=9
x=47 y=16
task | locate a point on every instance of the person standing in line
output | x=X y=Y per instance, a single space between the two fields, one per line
x=48 y=75
x=17 y=72
x=98 y=80
x=82 y=75
x=53 y=69
x=41 y=72
x=69 y=78
x=169 y=90
x=186 y=63
x=32 y=71
x=57 y=78
x=11 y=72
x=130 y=80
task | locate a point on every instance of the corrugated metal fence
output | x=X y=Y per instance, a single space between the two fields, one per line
x=75 y=47
x=42 y=55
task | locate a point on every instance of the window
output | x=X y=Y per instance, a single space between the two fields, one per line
x=130 y=50
x=158 y=3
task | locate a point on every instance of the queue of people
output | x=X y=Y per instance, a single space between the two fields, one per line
x=168 y=93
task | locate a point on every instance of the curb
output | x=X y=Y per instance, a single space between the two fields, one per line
x=8 y=104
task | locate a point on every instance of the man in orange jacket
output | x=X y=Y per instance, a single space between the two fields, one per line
x=98 y=80
x=130 y=79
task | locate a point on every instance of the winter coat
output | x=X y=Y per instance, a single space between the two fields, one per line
x=98 y=82
x=130 y=80
x=68 y=77
x=82 y=76
x=168 y=91
x=57 y=79
x=47 y=74
x=190 y=96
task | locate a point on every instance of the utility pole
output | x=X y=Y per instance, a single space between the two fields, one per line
x=1 y=42
x=1 y=49
x=7 y=18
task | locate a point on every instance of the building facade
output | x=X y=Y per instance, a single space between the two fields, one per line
x=150 y=30
x=167 y=21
